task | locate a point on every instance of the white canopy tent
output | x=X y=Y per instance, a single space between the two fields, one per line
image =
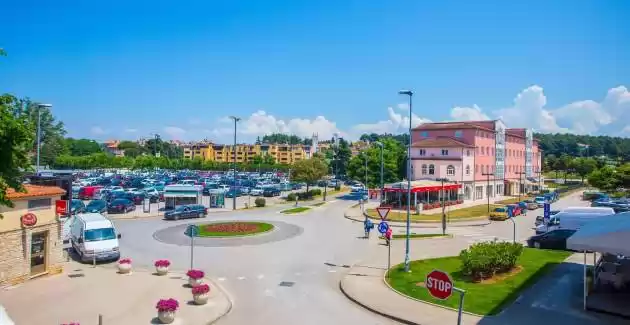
x=609 y=234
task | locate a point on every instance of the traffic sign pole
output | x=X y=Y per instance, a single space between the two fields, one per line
x=462 y=293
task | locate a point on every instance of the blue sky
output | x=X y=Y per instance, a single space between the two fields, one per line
x=125 y=69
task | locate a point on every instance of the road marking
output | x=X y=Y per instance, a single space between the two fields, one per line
x=332 y=271
x=260 y=276
x=333 y=201
x=241 y=278
x=221 y=279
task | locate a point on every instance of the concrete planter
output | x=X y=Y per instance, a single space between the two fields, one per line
x=166 y=317
x=124 y=268
x=161 y=270
x=201 y=299
x=194 y=282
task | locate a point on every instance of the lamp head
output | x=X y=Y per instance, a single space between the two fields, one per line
x=405 y=92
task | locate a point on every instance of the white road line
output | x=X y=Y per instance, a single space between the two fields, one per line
x=241 y=278
x=332 y=271
x=221 y=279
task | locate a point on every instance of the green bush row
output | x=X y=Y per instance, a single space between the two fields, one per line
x=486 y=259
x=304 y=195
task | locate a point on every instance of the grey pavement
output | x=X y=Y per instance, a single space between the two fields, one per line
x=83 y=292
x=289 y=281
x=553 y=300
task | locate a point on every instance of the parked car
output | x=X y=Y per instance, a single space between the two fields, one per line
x=137 y=197
x=540 y=219
x=356 y=188
x=235 y=192
x=514 y=210
x=256 y=191
x=499 y=213
x=87 y=192
x=77 y=206
x=186 y=211
x=271 y=191
x=555 y=239
x=531 y=204
x=540 y=200
x=96 y=206
x=121 y=206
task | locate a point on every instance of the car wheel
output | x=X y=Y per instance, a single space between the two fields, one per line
x=536 y=245
x=175 y=218
x=200 y=215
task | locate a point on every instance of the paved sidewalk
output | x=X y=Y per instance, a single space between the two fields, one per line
x=82 y=292
x=355 y=214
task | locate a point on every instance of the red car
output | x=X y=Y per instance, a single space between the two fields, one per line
x=516 y=210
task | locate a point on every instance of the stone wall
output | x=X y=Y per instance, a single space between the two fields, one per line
x=15 y=246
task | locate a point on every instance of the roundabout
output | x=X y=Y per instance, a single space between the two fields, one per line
x=229 y=233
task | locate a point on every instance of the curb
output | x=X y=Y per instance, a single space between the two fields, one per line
x=230 y=303
x=400 y=320
x=425 y=225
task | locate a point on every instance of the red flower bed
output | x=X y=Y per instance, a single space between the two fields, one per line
x=236 y=227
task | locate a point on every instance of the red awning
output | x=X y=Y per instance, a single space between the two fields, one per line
x=425 y=188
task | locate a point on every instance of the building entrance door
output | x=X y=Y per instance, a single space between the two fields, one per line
x=38 y=252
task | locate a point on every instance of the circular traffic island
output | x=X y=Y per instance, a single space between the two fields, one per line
x=233 y=229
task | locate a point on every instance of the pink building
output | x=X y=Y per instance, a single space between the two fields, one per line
x=486 y=157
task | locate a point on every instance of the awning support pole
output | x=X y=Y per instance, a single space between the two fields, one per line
x=585 y=284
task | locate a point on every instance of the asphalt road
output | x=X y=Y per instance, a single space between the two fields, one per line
x=292 y=279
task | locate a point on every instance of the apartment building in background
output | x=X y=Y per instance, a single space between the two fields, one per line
x=486 y=157
x=246 y=153
x=111 y=146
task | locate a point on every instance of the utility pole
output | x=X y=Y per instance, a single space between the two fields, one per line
x=236 y=119
x=408 y=228
x=443 y=205
x=380 y=144
x=488 y=186
x=39 y=130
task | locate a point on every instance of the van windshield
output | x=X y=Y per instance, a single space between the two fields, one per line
x=99 y=234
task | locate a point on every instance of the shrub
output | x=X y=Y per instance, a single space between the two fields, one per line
x=337 y=187
x=306 y=195
x=260 y=202
x=291 y=197
x=315 y=192
x=167 y=305
x=200 y=289
x=162 y=263
x=484 y=260
x=195 y=274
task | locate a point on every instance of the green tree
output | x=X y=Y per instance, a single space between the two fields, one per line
x=81 y=147
x=394 y=160
x=583 y=166
x=16 y=138
x=604 y=179
x=309 y=170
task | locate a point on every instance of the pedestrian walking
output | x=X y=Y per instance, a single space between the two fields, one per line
x=368 y=225
x=388 y=236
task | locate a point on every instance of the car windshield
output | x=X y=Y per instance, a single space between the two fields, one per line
x=499 y=210
x=99 y=234
x=540 y=198
x=119 y=202
x=180 y=208
x=96 y=204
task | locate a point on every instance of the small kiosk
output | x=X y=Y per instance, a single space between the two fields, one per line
x=217 y=198
x=175 y=195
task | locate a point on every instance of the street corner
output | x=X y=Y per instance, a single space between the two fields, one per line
x=104 y=293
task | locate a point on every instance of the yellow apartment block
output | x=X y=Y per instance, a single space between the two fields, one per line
x=30 y=235
x=281 y=153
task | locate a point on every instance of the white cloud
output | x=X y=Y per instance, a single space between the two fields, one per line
x=97 y=130
x=175 y=132
x=131 y=130
x=473 y=113
x=396 y=123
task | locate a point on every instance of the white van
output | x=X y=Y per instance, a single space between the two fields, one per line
x=573 y=219
x=596 y=210
x=94 y=237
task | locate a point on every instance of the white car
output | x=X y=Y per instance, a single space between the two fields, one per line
x=356 y=188
x=256 y=191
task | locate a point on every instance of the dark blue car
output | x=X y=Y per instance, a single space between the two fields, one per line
x=186 y=211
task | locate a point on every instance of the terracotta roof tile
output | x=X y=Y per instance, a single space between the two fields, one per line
x=35 y=191
x=440 y=142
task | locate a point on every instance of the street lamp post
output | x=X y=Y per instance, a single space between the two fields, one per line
x=488 y=186
x=408 y=228
x=443 y=205
x=39 y=129
x=520 y=174
x=236 y=119
x=380 y=144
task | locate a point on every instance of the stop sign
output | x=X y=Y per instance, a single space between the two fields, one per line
x=439 y=284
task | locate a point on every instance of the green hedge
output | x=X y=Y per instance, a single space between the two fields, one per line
x=484 y=260
x=260 y=202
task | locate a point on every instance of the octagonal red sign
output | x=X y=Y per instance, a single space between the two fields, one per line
x=439 y=284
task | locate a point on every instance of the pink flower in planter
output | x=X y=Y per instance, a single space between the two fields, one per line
x=162 y=263
x=167 y=305
x=125 y=261
x=200 y=289
x=195 y=274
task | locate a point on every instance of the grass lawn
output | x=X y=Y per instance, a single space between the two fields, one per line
x=233 y=229
x=514 y=200
x=318 y=204
x=412 y=236
x=295 y=210
x=476 y=211
x=486 y=298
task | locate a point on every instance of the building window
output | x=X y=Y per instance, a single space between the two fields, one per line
x=424 y=169
x=422 y=152
x=39 y=204
x=444 y=152
x=458 y=134
x=450 y=170
x=424 y=134
x=482 y=151
x=431 y=169
x=467 y=152
x=467 y=169
x=488 y=151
